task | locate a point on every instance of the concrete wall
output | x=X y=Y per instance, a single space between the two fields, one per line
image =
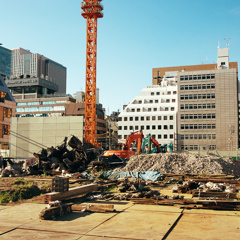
x=48 y=131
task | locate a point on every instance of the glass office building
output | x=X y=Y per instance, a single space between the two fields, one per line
x=5 y=62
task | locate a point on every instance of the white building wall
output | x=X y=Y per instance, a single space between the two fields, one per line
x=154 y=111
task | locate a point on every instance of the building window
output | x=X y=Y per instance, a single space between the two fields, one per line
x=136 y=127
x=21 y=104
x=165 y=136
x=156 y=101
x=131 y=128
x=159 y=136
x=119 y=127
x=159 y=117
x=136 y=118
x=171 y=126
x=171 y=136
x=147 y=127
x=48 y=102
x=125 y=118
x=152 y=93
x=142 y=127
x=142 y=118
x=170 y=117
x=165 y=117
x=165 y=127
x=153 y=127
x=172 y=108
x=131 y=118
x=148 y=118
x=125 y=136
x=138 y=109
x=159 y=127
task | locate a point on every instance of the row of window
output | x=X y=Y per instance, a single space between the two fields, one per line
x=197 y=106
x=147 y=118
x=154 y=101
x=39 y=103
x=167 y=93
x=198 y=116
x=151 y=109
x=147 y=127
x=198 y=136
x=197 y=147
x=40 y=109
x=196 y=77
x=159 y=136
x=197 y=86
x=198 y=126
x=197 y=96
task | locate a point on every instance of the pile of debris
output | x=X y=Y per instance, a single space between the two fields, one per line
x=182 y=163
x=70 y=157
x=61 y=158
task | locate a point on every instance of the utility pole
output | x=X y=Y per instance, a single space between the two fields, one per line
x=91 y=10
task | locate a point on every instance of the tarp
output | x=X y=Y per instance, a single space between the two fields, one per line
x=149 y=175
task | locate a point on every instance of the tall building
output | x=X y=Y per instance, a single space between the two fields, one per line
x=33 y=75
x=153 y=112
x=207 y=104
x=7 y=110
x=5 y=62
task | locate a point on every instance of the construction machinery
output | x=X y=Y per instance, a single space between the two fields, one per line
x=158 y=148
x=126 y=152
x=146 y=145
x=91 y=10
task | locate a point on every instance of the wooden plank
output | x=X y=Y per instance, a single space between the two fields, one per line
x=215 y=194
x=71 y=192
x=94 y=207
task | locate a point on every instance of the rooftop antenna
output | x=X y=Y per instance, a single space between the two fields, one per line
x=227 y=40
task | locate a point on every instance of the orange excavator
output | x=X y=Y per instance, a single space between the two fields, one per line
x=126 y=152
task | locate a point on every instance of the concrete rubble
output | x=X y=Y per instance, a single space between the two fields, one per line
x=182 y=163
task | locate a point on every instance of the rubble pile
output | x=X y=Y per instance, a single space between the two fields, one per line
x=182 y=163
x=71 y=157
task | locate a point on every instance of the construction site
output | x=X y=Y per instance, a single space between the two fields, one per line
x=170 y=174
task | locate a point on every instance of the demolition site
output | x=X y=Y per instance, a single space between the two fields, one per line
x=166 y=167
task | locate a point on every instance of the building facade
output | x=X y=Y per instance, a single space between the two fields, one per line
x=7 y=110
x=153 y=112
x=29 y=135
x=5 y=62
x=48 y=106
x=33 y=75
x=208 y=116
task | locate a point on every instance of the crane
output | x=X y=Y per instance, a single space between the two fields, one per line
x=91 y=10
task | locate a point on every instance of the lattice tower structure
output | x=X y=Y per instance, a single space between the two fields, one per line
x=91 y=10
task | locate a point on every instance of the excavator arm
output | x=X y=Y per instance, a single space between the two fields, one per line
x=131 y=138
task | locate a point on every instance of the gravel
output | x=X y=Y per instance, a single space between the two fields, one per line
x=182 y=163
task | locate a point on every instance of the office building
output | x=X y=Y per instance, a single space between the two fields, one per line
x=207 y=104
x=153 y=112
x=5 y=62
x=33 y=75
x=7 y=110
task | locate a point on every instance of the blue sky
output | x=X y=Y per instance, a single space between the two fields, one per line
x=134 y=36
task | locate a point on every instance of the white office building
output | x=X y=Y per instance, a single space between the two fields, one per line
x=154 y=112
